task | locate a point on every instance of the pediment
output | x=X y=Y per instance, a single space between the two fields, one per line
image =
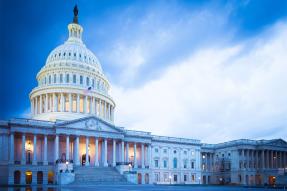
x=90 y=123
x=278 y=142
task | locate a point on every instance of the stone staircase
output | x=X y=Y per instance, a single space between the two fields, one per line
x=98 y=175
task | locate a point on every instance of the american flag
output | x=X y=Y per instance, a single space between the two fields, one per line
x=87 y=91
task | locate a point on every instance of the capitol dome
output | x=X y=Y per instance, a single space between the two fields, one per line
x=72 y=84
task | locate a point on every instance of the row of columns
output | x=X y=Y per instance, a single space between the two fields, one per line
x=264 y=158
x=76 y=158
x=56 y=102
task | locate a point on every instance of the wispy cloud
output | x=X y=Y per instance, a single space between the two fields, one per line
x=215 y=94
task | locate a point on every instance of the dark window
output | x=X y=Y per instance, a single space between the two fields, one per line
x=74 y=78
x=81 y=79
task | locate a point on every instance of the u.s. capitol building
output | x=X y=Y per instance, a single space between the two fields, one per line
x=71 y=137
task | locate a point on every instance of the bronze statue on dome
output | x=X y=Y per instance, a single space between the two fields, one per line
x=76 y=12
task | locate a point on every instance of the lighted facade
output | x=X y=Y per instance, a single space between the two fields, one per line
x=73 y=124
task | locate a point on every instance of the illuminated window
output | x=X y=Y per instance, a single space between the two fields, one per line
x=81 y=104
x=88 y=106
x=74 y=109
x=67 y=103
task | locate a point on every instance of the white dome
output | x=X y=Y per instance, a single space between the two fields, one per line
x=72 y=84
x=74 y=50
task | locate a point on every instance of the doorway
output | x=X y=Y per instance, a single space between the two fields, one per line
x=84 y=159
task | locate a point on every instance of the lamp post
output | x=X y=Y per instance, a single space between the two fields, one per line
x=67 y=163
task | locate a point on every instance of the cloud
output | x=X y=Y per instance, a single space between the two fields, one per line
x=146 y=43
x=215 y=94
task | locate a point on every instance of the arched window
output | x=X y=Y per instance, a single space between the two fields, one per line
x=175 y=163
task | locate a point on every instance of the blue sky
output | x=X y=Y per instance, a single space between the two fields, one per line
x=198 y=66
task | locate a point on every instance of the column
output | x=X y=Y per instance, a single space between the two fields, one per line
x=32 y=107
x=46 y=103
x=11 y=158
x=127 y=153
x=92 y=104
x=67 y=148
x=70 y=103
x=62 y=103
x=97 y=152
x=56 y=149
x=35 y=150
x=112 y=113
x=106 y=153
x=100 y=108
x=36 y=105
x=23 y=159
x=96 y=107
x=45 y=150
x=105 y=109
x=85 y=104
x=272 y=159
x=114 y=152
x=123 y=152
x=54 y=102
x=281 y=160
x=142 y=155
x=41 y=106
x=87 y=151
x=78 y=103
x=77 y=162
x=135 y=156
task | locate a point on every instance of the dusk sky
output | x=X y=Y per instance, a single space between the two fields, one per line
x=208 y=70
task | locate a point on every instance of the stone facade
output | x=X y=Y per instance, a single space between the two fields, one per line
x=72 y=123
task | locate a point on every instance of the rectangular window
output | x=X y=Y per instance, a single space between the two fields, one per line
x=81 y=79
x=193 y=178
x=165 y=163
x=87 y=81
x=74 y=78
x=55 y=78
x=192 y=165
x=185 y=178
x=67 y=78
x=156 y=150
x=175 y=178
x=164 y=151
x=185 y=164
x=156 y=175
x=49 y=79
x=61 y=78
x=93 y=83
x=156 y=163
